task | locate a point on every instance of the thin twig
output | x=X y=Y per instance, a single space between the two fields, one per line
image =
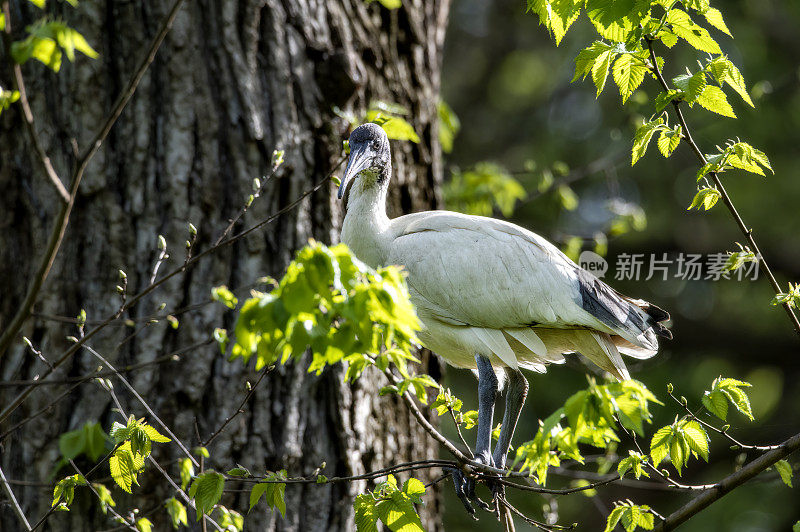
x=61 y=221
x=135 y=299
x=724 y=433
x=27 y=114
x=39 y=412
x=144 y=404
x=14 y=503
x=174 y=356
x=240 y=409
x=128 y=524
x=161 y=470
x=729 y=483
x=458 y=430
x=748 y=233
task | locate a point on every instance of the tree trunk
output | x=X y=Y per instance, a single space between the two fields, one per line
x=233 y=81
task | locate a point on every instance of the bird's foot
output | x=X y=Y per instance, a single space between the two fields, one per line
x=465 y=486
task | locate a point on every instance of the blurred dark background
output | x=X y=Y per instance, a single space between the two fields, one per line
x=510 y=87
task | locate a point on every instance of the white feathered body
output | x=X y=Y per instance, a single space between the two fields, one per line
x=489 y=287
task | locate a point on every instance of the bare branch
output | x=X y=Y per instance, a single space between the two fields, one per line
x=27 y=114
x=14 y=503
x=62 y=220
x=148 y=289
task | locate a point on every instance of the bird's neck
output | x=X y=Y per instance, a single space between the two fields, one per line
x=365 y=222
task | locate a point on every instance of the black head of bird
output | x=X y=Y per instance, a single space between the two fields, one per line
x=370 y=157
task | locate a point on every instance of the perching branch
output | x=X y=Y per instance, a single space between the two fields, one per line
x=62 y=220
x=747 y=232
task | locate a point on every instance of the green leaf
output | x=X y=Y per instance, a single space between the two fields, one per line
x=745 y=157
x=391 y=4
x=482 y=188
x=642 y=138
x=201 y=451
x=732 y=388
x=791 y=298
x=449 y=125
x=713 y=99
x=600 y=70
x=716 y=403
x=587 y=58
x=659 y=444
x=714 y=17
x=697 y=438
x=635 y=462
x=399 y=129
x=616 y=19
x=187 y=472
x=177 y=513
x=206 y=490
x=224 y=296
x=630 y=516
x=556 y=15
x=628 y=74
x=124 y=466
x=65 y=489
x=697 y=36
x=784 y=469
x=104 y=497
x=665 y=98
x=366 y=513
x=613 y=518
x=143 y=524
x=273 y=491
x=725 y=72
x=241 y=472
x=398 y=513
x=705 y=197
x=669 y=140
x=45 y=43
x=7 y=97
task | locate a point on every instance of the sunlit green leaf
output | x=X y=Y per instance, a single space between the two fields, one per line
x=206 y=490
x=177 y=513
x=705 y=197
x=784 y=469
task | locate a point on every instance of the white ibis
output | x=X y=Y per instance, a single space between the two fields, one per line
x=491 y=296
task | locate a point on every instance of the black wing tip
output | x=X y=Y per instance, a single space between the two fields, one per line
x=657 y=316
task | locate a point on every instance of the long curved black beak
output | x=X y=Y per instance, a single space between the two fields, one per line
x=358 y=162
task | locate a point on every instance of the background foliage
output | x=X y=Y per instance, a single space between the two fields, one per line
x=531 y=112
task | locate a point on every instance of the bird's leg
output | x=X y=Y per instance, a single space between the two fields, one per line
x=487 y=392
x=516 y=392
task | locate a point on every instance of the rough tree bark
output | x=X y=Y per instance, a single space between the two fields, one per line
x=233 y=81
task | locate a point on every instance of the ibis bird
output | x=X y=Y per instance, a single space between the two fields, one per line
x=491 y=296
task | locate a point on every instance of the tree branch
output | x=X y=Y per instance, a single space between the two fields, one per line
x=748 y=233
x=27 y=114
x=60 y=225
x=14 y=503
x=135 y=299
x=729 y=483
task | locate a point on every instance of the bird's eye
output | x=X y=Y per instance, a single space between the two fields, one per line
x=376 y=144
